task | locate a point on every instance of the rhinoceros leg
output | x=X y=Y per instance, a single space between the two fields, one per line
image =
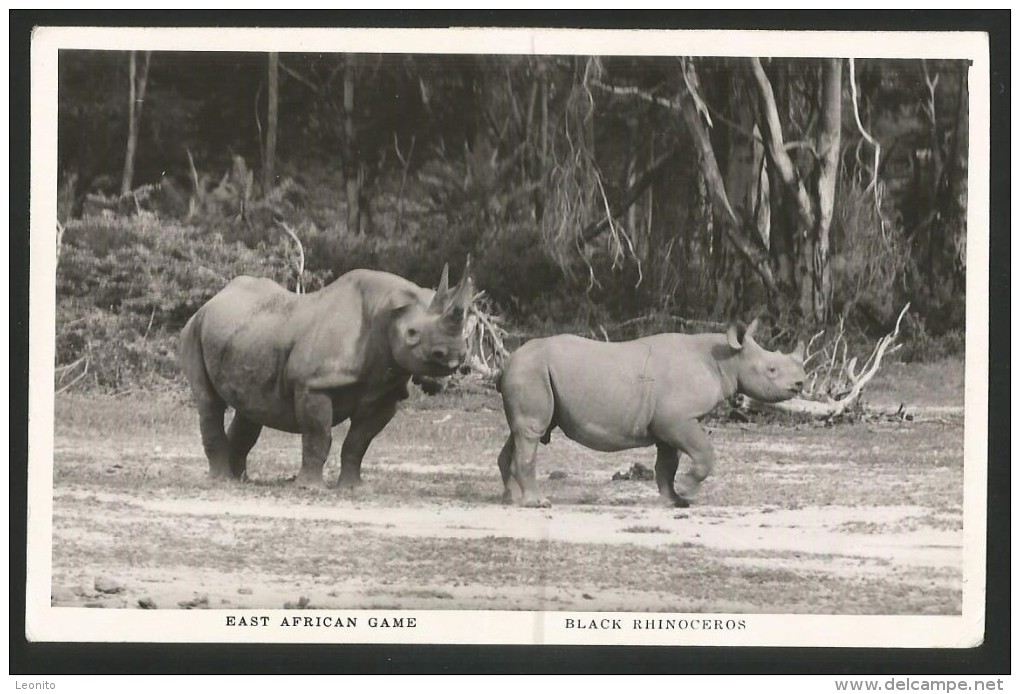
x=667 y=459
x=314 y=412
x=688 y=436
x=241 y=436
x=208 y=402
x=214 y=441
x=364 y=427
x=522 y=469
x=506 y=458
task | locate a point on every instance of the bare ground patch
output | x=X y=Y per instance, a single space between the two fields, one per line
x=796 y=519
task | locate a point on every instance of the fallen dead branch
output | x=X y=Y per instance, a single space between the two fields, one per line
x=835 y=383
x=485 y=336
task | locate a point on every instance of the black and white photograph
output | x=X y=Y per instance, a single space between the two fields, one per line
x=508 y=336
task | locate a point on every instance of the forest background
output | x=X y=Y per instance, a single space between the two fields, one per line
x=611 y=197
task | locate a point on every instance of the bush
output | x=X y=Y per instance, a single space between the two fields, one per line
x=919 y=345
x=126 y=286
x=868 y=260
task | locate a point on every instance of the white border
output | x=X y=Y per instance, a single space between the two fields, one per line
x=46 y=623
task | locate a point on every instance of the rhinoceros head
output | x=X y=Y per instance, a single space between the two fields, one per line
x=430 y=341
x=761 y=374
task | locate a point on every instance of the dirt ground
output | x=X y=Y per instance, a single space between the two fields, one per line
x=850 y=519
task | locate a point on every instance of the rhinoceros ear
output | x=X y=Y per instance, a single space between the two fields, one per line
x=736 y=334
x=439 y=301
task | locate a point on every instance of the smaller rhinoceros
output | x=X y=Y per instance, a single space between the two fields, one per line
x=615 y=396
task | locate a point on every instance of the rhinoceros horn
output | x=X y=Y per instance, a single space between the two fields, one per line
x=461 y=296
x=439 y=301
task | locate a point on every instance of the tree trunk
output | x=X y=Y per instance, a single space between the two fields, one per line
x=139 y=79
x=956 y=181
x=773 y=132
x=809 y=216
x=733 y=224
x=543 y=162
x=828 y=171
x=269 y=165
x=351 y=167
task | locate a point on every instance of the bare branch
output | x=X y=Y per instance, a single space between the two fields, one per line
x=76 y=380
x=627 y=90
x=872 y=141
x=301 y=257
x=647 y=177
x=733 y=224
x=775 y=146
x=693 y=92
x=152 y=315
x=299 y=77
x=67 y=367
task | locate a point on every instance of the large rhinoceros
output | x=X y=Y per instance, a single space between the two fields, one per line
x=614 y=396
x=305 y=363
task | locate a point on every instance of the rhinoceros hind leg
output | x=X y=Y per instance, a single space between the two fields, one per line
x=214 y=441
x=505 y=462
x=210 y=405
x=241 y=437
x=364 y=427
x=667 y=460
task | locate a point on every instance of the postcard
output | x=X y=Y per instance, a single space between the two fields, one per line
x=508 y=336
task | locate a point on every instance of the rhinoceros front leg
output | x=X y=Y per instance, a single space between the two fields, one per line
x=667 y=459
x=364 y=427
x=314 y=412
x=687 y=436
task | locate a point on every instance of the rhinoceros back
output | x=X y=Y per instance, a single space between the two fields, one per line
x=239 y=342
x=607 y=395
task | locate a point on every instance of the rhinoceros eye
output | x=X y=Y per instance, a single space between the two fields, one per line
x=772 y=371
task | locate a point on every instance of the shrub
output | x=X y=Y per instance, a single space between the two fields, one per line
x=920 y=345
x=126 y=286
x=869 y=259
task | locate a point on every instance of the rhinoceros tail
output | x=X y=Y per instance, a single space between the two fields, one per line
x=498 y=380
